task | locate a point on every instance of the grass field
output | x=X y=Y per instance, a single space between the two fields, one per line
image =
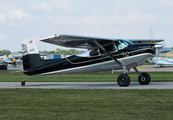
x=7 y=76
x=87 y=104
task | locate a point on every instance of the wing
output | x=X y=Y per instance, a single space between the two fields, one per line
x=75 y=41
x=145 y=40
x=87 y=42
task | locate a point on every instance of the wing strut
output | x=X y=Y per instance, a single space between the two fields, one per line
x=103 y=49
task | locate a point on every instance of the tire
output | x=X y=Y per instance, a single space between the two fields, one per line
x=146 y=79
x=23 y=83
x=123 y=80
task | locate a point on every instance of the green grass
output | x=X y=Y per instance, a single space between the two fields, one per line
x=7 y=76
x=87 y=104
x=148 y=63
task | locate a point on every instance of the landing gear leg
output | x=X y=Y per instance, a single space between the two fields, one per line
x=144 y=78
x=23 y=82
x=156 y=66
x=123 y=80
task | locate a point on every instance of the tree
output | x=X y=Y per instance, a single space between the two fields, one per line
x=5 y=52
x=45 y=51
x=172 y=48
x=51 y=52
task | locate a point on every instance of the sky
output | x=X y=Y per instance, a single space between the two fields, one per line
x=125 y=19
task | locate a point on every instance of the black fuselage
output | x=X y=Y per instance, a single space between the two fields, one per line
x=34 y=65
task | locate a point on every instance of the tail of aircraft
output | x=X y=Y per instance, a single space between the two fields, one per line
x=31 y=56
x=32 y=60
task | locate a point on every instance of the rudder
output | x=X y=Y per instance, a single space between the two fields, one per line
x=31 y=56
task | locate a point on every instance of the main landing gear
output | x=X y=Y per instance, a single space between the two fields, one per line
x=23 y=82
x=123 y=80
x=145 y=80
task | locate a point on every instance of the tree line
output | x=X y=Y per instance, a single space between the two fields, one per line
x=63 y=52
x=5 y=52
x=57 y=51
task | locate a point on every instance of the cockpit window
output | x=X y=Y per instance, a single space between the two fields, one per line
x=84 y=54
x=89 y=53
x=118 y=45
x=123 y=44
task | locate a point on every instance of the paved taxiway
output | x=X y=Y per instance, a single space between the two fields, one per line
x=86 y=85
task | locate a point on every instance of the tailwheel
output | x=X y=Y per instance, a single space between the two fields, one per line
x=23 y=83
x=123 y=80
x=145 y=80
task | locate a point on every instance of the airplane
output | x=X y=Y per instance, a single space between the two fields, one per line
x=102 y=54
x=161 y=61
x=6 y=60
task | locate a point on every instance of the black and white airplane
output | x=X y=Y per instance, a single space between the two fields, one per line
x=102 y=54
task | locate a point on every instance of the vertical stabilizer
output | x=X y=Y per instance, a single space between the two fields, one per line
x=29 y=47
x=31 y=56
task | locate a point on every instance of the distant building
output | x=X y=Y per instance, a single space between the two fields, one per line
x=44 y=56
x=16 y=55
x=54 y=56
x=168 y=54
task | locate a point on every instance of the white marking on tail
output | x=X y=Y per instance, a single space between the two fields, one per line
x=29 y=47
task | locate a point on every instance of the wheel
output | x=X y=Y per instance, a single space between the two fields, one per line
x=123 y=80
x=144 y=81
x=23 y=83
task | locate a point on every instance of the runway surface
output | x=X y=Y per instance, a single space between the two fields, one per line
x=86 y=85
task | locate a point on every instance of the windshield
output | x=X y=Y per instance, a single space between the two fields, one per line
x=123 y=44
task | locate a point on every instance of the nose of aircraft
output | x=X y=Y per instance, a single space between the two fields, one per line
x=159 y=46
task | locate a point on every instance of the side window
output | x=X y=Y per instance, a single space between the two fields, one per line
x=121 y=44
x=109 y=48
x=94 y=52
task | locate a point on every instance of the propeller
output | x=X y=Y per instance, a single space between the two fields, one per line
x=157 y=46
